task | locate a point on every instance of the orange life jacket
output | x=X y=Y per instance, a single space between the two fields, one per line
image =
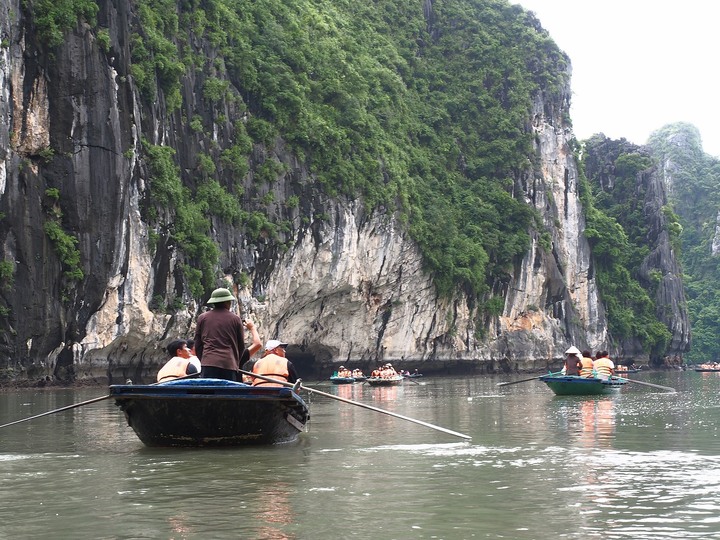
x=604 y=367
x=174 y=368
x=273 y=366
x=587 y=367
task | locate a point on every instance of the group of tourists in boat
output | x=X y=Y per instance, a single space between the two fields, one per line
x=708 y=366
x=583 y=374
x=386 y=371
x=583 y=364
x=218 y=349
x=204 y=397
x=350 y=373
x=380 y=376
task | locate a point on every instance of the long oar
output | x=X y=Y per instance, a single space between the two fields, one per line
x=526 y=380
x=351 y=402
x=666 y=388
x=73 y=406
x=76 y=405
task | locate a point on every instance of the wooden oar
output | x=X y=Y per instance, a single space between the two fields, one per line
x=297 y=387
x=88 y=402
x=526 y=380
x=81 y=404
x=666 y=388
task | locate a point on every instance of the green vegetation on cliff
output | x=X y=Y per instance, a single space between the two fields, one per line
x=693 y=181
x=617 y=231
x=426 y=114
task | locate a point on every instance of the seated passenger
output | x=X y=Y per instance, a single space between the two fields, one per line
x=194 y=360
x=179 y=364
x=604 y=367
x=274 y=365
x=587 y=364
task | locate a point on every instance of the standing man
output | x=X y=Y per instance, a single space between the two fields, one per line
x=219 y=338
x=274 y=365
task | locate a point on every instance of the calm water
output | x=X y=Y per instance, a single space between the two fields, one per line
x=643 y=464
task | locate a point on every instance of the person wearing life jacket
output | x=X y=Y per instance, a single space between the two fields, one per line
x=344 y=372
x=572 y=361
x=246 y=360
x=604 y=367
x=179 y=364
x=587 y=364
x=194 y=360
x=273 y=364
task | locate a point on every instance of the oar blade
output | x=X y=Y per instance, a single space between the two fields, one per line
x=667 y=389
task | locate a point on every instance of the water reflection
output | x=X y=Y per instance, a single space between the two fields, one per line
x=275 y=511
x=641 y=465
x=385 y=393
x=598 y=423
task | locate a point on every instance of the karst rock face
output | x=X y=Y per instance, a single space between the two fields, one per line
x=661 y=263
x=346 y=285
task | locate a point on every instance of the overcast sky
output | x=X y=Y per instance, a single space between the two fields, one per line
x=639 y=64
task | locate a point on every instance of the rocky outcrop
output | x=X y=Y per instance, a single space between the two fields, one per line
x=659 y=270
x=342 y=284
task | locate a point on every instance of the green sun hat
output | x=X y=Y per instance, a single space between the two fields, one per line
x=220 y=295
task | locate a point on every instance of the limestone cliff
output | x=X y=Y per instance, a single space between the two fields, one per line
x=342 y=284
x=659 y=270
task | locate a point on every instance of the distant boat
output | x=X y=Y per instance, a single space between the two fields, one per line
x=342 y=380
x=706 y=370
x=571 y=385
x=211 y=412
x=628 y=370
x=385 y=381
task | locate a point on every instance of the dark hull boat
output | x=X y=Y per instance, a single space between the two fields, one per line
x=211 y=412
x=342 y=380
x=385 y=381
x=570 y=385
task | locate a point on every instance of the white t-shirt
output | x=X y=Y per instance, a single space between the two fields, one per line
x=195 y=361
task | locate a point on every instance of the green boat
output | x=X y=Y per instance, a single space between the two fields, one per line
x=571 y=385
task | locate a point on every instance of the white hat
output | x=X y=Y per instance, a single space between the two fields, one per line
x=274 y=344
x=573 y=350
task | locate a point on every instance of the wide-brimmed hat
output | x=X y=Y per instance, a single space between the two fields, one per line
x=220 y=295
x=274 y=344
x=573 y=350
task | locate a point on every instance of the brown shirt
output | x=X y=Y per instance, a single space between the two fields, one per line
x=219 y=339
x=572 y=365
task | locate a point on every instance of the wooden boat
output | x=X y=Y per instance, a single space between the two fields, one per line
x=413 y=375
x=571 y=385
x=624 y=371
x=361 y=378
x=211 y=412
x=706 y=370
x=342 y=380
x=385 y=381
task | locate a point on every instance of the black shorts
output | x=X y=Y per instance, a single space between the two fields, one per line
x=212 y=372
